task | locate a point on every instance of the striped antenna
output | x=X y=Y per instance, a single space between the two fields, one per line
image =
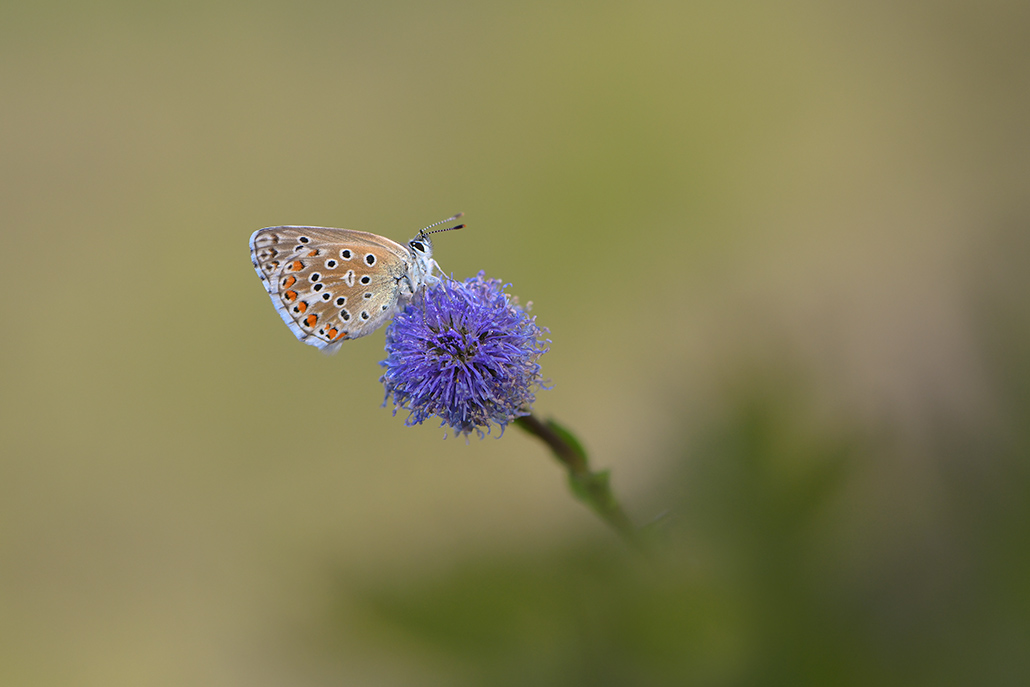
x=423 y=233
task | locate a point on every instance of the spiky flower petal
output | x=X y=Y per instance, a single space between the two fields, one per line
x=465 y=352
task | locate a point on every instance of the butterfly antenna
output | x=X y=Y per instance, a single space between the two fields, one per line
x=423 y=233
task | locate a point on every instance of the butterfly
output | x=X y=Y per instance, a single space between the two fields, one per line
x=330 y=285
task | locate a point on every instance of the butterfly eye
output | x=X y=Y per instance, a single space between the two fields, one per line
x=417 y=245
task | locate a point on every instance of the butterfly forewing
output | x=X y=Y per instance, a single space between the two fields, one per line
x=330 y=285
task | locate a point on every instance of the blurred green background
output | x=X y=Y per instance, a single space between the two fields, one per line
x=782 y=250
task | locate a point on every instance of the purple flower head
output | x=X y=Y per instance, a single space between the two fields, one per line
x=466 y=352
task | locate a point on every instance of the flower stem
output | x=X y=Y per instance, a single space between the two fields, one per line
x=592 y=488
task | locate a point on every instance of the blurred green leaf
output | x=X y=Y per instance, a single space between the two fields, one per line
x=594 y=489
x=568 y=437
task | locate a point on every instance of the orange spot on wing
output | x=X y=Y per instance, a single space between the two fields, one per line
x=331 y=333
x=296 y=265
x=302 y=306
x=290 y=296
x=311 y=319
x=290 y=281
x=313 y=254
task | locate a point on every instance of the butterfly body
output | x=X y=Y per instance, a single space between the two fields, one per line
x=330 y=285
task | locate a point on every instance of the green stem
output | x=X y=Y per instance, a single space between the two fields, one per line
x=592 y=488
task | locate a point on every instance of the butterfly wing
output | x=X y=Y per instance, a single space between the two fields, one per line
x=330 y=285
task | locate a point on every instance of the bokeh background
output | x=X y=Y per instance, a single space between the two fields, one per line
x=782 y=250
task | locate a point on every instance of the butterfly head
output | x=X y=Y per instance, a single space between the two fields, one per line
x=421 y=246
